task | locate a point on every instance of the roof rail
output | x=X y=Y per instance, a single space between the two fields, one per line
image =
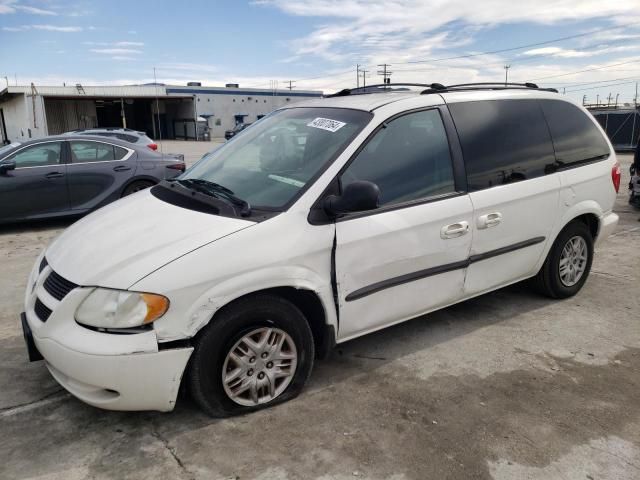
x=380 y=87
x=488 y=86
x=439 y=88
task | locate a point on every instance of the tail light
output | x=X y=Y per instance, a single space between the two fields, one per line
x=616 y=176
x=178 y=166
x=153 y=146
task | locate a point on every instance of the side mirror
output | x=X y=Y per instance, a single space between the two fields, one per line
x=6 y=166
x=358 y=196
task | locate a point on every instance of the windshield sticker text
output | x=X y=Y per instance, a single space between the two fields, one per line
x=326 y=124
x=289 y=181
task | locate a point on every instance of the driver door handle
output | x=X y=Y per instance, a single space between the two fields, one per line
x=489 y=220
x=54 y=175
x=121 y=168
x=454 y=230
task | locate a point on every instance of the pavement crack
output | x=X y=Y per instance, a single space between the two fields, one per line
x=23 y=407
x=174 y=454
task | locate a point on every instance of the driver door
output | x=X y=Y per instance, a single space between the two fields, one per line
x=38 y=184
x=408 y=256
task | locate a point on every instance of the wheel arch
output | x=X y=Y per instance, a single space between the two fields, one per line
x=137 y=178
x=307 y=300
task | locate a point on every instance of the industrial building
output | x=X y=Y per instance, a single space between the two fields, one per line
x=162 y=111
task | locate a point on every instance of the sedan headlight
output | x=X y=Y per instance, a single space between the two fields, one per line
x=107 y=308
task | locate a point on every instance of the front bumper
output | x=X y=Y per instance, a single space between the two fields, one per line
x=139 y=381
x=111 y=371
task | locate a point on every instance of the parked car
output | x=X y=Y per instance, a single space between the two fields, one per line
x=72 y=175
x=324 y=222
x=124 y=134
x=229 y=134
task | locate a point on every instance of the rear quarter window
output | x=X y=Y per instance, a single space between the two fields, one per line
x=503 y=141
x=576 y=138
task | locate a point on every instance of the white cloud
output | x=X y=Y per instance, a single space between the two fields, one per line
x=55 y=28
x=35 y=10
x=122 y=58
x=12 y=6
x=7 y=6
x=49 y=28
x=116 y=51
x=377 y=28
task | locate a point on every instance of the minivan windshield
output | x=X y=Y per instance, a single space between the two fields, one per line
x=273 y=161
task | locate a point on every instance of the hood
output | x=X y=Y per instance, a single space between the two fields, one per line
x=121 y=243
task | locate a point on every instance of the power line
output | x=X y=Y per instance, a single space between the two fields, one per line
x=547 y=42
x=600 y=86
x=587 y=70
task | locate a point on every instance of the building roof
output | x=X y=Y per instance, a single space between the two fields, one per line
x=137 y=91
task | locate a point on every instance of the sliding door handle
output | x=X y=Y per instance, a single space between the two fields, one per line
x=454 y=230
x=489 y=220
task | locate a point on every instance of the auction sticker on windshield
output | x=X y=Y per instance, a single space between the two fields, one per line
x=326 y=124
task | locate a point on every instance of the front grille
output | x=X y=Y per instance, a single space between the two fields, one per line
x=42 y=311
x=58 y=287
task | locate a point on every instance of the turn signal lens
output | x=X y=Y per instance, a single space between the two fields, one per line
x=157 y=305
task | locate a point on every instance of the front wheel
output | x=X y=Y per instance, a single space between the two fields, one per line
x=255 y=353
x=568 y=263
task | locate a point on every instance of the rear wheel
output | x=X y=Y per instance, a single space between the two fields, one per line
x=568 y=263
x=255 y=353
x=136 y=187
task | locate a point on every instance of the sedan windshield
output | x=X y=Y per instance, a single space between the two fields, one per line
x=6 y=148
x=272 y=162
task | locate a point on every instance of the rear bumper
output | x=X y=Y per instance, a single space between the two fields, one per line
x=608 y=223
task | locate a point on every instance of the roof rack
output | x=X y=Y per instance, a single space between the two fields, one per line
x=380 y=87
x=439 y=88
x=486 y=86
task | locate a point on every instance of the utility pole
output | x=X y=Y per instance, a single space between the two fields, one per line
x=597 y=99
x=506 y=74
x=609 y=99
x=291 y=82
x=635 y=99
x=386 y=74
x=617 y=95
x=584 y=100
x=358 y=75
x=364 y=77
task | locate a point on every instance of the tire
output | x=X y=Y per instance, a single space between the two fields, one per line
x=228 y=332
x=549 y=280
x=136 y=186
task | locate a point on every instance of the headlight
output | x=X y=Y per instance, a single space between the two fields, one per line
x=108 y=308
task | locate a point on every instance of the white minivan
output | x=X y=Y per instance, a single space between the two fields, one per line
x=324 y=221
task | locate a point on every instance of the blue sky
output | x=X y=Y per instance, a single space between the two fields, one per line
x=317 y=43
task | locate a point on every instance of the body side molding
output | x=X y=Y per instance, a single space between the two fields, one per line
x=428 y=272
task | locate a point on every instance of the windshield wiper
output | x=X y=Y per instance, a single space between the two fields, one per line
x=216 y=190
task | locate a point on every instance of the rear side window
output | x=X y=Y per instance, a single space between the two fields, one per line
x=575 y=137
x=119 y=152
x=409 y=159
x=87 y=151
x=503 y=141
